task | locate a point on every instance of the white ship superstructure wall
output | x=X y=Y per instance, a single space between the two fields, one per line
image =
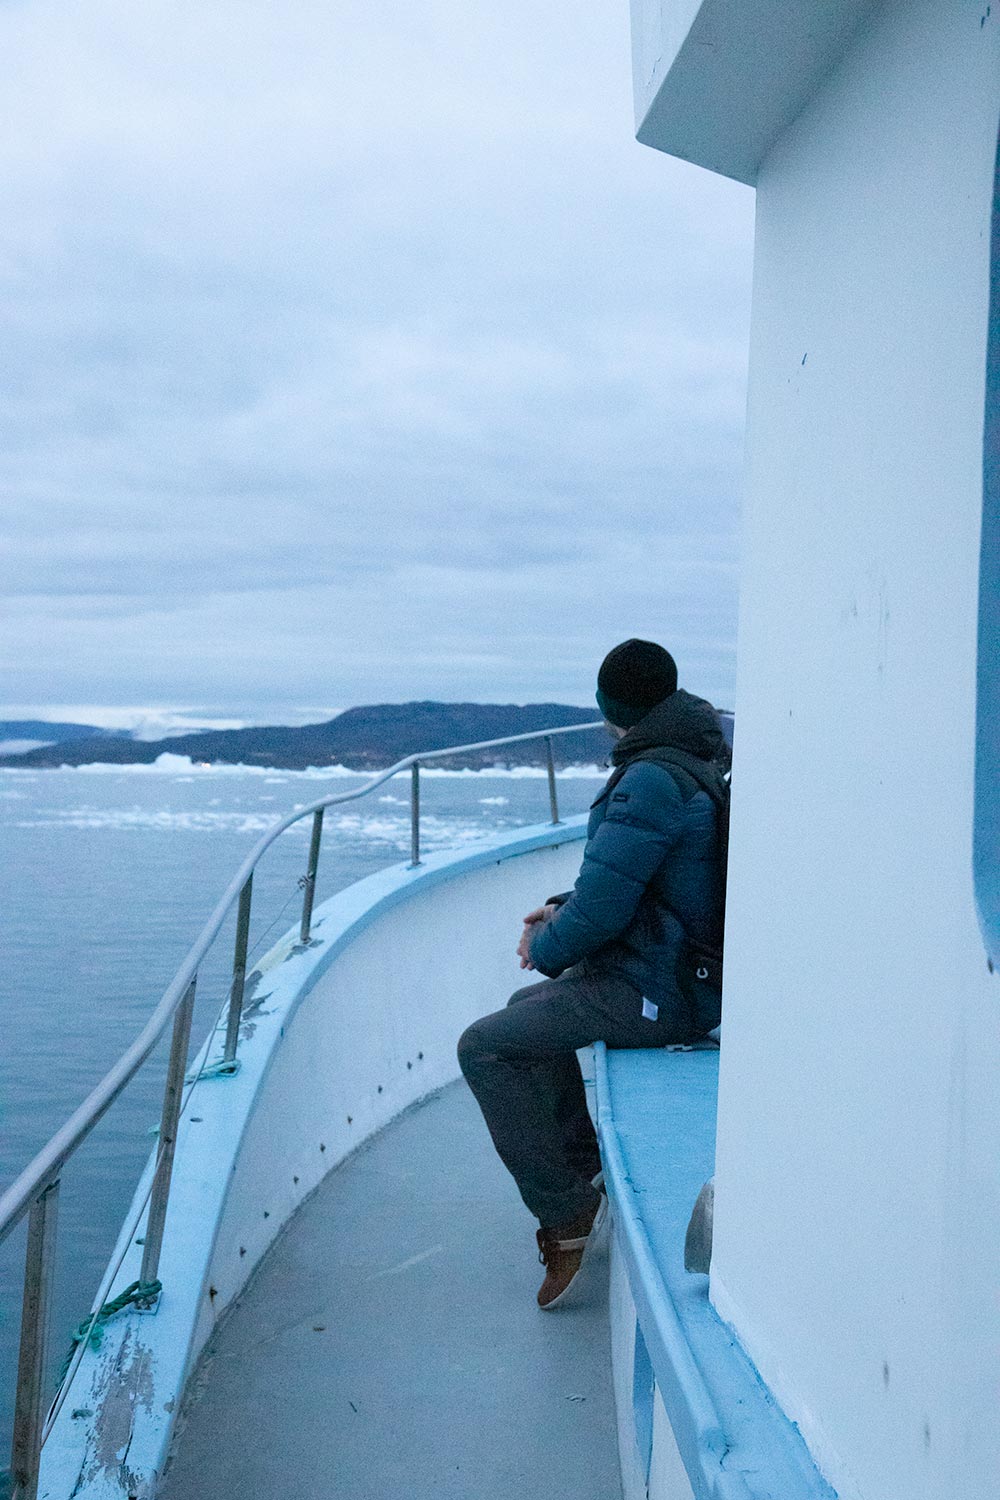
x=858 y=1200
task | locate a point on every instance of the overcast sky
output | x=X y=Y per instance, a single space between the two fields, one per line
x=356 y=352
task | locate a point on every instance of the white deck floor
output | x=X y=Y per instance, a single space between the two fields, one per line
x=389 y=1346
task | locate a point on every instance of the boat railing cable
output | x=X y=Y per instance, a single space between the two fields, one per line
x=35 y=1191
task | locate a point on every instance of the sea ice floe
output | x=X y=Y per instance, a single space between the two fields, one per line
x=179 y=765
x=153 y=820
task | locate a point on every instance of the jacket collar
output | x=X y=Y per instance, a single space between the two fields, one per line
x=680 y=722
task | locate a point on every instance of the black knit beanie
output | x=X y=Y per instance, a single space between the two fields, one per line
x=634 y=677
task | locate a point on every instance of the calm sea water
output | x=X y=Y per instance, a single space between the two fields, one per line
x=107 y=877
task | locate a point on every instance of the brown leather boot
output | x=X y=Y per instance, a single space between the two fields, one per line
x=563 y=1249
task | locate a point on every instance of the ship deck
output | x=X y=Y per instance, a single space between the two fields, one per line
x=389 y=1346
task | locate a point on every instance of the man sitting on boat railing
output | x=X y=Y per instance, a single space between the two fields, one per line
x=633 y=952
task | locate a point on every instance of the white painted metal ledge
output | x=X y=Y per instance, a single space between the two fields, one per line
x=689 y=1400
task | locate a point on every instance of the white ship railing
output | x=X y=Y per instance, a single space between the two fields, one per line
x=36 y=1191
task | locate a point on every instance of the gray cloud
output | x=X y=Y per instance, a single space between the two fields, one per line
x=354 y=353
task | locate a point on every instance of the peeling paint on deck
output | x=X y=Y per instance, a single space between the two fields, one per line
x=121 y=1389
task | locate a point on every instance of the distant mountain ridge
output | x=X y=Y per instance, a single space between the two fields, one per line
x=362 y=739
x=53 y=733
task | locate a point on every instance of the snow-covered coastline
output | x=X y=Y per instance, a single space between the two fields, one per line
x=174 y=765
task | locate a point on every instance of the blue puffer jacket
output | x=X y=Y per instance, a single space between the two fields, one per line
x=650 y=876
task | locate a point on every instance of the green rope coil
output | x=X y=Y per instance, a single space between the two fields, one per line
x=139 y=1294
x=220 y=1069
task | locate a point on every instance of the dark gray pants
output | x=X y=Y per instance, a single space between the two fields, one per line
x=521 y=1064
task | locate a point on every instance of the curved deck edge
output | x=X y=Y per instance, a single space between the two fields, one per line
x=112 y=1436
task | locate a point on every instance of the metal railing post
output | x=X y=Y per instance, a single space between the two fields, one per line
x=310 y=880
x=415 y=814
x=239 y=971
x=553 y=798
x=172 y=1094
x=39 y=1269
